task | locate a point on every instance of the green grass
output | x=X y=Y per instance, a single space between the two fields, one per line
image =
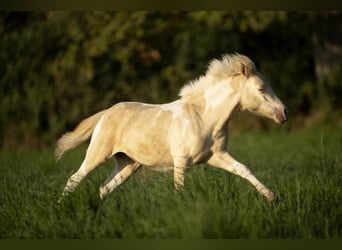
x=302 y=167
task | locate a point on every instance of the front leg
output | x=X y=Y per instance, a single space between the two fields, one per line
x=180 y=164
x=225 y=161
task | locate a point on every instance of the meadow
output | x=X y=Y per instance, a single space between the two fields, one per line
x=303 y=167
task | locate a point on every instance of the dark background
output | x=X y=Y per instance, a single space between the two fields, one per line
x=57 y=68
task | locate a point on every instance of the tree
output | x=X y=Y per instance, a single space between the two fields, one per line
x=59 y=67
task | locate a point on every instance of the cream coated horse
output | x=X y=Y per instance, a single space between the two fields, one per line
x=176 y=135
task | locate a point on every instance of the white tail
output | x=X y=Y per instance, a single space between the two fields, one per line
x=81 y=133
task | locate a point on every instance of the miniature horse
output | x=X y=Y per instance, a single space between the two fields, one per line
x=176 y=135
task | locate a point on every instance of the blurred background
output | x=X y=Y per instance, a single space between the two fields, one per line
x=56 y=68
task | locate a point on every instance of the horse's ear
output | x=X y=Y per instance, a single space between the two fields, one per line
x=244 y=70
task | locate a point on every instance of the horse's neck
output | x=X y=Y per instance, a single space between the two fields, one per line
x=216 y=104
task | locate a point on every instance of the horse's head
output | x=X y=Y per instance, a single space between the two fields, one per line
x=258 y=97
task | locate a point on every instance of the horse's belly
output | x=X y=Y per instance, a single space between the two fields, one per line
x=161 y=168
x=150 y=156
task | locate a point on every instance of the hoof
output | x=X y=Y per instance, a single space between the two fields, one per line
x=62 y=197
x=103 y=193
x=271 y=197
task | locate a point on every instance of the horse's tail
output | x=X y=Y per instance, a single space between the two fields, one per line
x=81 y=133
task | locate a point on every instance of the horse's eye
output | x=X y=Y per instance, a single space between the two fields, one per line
x=261 y=89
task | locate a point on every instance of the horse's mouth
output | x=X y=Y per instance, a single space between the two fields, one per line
x=280 y=118
x=281 y=115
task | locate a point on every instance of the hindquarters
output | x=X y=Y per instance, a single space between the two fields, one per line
x=99 y=150
x=80 y=134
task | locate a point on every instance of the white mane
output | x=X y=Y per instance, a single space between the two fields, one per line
x=229 y=65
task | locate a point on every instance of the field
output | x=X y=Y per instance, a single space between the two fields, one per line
x=303 y=167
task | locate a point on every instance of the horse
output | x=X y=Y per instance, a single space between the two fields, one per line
x=174 y=136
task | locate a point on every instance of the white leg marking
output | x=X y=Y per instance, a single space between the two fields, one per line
x=73 y=182
x=180 y=164
x=118 y=177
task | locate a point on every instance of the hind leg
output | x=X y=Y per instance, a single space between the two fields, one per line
x=125 y=167
x=97 y=153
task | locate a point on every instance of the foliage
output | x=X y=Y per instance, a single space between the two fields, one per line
x=59 y=67
x=213 y=203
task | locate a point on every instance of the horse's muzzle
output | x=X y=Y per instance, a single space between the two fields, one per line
x=283 y=116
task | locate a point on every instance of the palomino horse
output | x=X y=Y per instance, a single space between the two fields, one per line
x=192 y=129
